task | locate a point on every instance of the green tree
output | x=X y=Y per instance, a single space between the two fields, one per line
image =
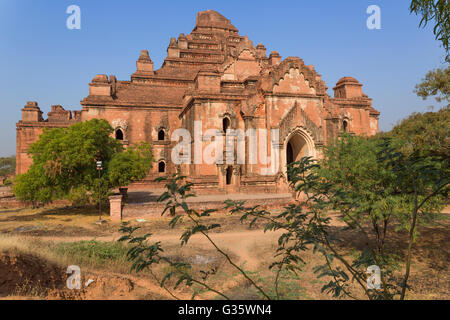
x=130 y=165
x=427 y=133
x=436 y=83
x=437 y=11
x=422 y=183
x=64 y=164
x=363 y=194
x=376 y=182
x=7 y=166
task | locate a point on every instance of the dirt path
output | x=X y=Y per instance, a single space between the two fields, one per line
x=243 y=244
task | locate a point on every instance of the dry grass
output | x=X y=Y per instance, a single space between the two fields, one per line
x=26 y=245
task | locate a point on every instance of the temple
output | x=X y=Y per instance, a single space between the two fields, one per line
x=215 y=80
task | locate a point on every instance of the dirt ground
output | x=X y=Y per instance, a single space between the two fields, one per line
x=29 y=268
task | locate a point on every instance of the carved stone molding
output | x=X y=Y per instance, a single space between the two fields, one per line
x=120 y=123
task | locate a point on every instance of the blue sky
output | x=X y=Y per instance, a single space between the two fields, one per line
x=41 y=60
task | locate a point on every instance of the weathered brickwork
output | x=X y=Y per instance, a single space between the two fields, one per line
x=218 y=77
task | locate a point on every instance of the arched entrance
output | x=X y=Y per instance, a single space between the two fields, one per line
x=161 y=167
x=161 y=135
x=298 y=145
x=226 y=123
x=119 y=134
x=229 y=175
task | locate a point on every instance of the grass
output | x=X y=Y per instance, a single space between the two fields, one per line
x=28 y=246
x=95 y=254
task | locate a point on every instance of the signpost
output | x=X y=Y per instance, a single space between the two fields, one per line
x=99 y=169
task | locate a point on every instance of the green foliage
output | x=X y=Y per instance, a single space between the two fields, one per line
x=34 y=186
x=122 y=173
x=64 y=164
x=437 y=11
x=436 y=83
x=423 y=184
x=93 y=252
x=425 y=133
x=373 y=183
x=364 y=186
x=7 y=166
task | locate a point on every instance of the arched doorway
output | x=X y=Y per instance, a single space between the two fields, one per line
x=226 y=123
x=161 y=135
x=229 y=175
x=161 y=167
x=119 y=134
x=345 y=126
x=298 y=145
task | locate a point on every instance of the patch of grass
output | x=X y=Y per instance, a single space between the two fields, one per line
x=94 y=253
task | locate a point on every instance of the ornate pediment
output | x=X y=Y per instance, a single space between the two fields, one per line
x=293 y=81
x=296 y=117
x=293 y=76
x=119 y=123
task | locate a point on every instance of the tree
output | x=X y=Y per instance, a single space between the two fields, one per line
x=427 y=133
x=361 y=190
x=437 y=11
x=422 y=182
x=419 y=154
x=7 y=166
x=436 y=83
x=64 y=164
x=130 y=165
x=380 y=181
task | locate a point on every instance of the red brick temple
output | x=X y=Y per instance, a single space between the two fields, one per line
x=218 y=77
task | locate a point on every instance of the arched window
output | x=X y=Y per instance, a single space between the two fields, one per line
x=161 y=135
x=345 y=126
x=226 y=124
x=229 y=175
x=161 y=167
x=119 y=134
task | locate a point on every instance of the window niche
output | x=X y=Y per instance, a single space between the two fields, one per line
x=161 y=135
x=161 y=167
x=345 y=126
x=119 y=134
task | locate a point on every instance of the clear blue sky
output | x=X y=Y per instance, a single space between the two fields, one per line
x=41 y=60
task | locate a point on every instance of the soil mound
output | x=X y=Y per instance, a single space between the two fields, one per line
x=24 y=274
